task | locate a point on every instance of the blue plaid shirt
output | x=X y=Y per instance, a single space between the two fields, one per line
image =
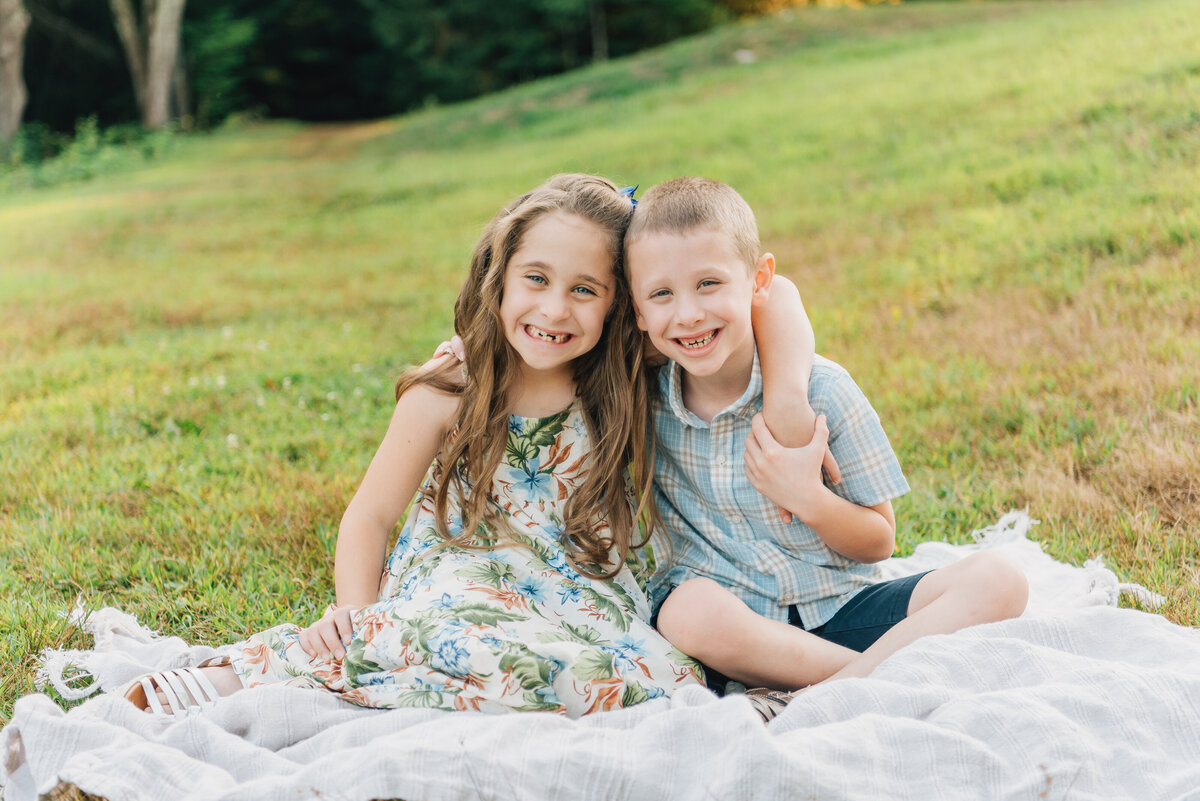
x=722 y=528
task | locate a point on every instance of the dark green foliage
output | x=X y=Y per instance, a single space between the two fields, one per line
x=313 y=60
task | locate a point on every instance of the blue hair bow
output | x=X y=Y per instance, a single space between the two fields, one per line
x=628 y=192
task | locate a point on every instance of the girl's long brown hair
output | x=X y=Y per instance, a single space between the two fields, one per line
x=609 y=381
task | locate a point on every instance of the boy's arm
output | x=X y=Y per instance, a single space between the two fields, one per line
x=785 y=353
x=791 y=477
x=786 y=345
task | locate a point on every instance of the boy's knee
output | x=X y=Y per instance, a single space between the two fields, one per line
x=688 y=614
x=1002 y=584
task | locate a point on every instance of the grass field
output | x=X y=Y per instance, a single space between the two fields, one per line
x=992 y=210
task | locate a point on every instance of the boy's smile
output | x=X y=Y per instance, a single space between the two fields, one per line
x=693 y=297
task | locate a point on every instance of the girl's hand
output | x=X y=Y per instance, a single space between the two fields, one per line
x=330 y=635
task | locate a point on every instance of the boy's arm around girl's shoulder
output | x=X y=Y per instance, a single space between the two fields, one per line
x=420 y=424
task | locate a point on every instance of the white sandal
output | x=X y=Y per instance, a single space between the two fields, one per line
x=187 y=692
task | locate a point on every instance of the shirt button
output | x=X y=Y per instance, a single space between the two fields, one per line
x=720 y=460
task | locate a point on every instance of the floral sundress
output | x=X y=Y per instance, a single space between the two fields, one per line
x=512 y=627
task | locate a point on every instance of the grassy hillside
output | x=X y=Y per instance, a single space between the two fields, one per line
x=991 y=209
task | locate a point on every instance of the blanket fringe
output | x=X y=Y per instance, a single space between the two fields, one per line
x=1011 y=527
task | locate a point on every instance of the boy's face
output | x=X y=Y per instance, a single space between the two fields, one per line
x=693 y=297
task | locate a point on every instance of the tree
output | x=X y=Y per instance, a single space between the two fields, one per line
x=14 y=21
x=152 y=48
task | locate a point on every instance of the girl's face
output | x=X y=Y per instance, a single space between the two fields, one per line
x=558 y=288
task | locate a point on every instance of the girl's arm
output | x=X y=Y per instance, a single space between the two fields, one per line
x=419 y=427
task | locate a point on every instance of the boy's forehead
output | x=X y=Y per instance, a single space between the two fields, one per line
x=672 y=249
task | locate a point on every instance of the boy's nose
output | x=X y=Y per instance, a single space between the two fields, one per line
x=687 y=310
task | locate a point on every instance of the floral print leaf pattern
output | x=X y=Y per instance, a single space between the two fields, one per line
x=484 y=614
x=544 y=432
x=594 y=665
x=494 y=574
x=634 y=694
x=510 y=625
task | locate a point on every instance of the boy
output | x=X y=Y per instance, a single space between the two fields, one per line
x=768 y=603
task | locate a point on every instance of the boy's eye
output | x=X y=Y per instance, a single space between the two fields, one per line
x=660 y=293
x=707 y=282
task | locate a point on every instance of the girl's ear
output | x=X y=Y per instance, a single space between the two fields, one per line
x=764 y=272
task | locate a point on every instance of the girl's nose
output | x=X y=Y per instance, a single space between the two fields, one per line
x=555 y=307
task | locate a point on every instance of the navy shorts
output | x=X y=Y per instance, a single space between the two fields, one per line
x=857 y=625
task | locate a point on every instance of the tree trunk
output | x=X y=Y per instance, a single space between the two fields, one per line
x=126 y=22
x=163 y=22
x=599 y=32
x=14 y=21
x=151 y=50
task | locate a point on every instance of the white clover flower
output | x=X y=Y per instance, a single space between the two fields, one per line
x=227 y=332
x=287 y=381
x=193 y=381
x=232 y=440
x=220 y=381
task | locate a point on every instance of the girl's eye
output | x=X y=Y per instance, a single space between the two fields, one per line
x=537 y=279
x=584 y=290
x=660 y=293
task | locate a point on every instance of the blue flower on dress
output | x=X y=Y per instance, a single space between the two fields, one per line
x=625 y=651
x=447 y=601
x=535 y=485
x=533 y=589
x=569 y=592
x=516 y=425
x=449 y=651
x=409 y=586
x=554 y=666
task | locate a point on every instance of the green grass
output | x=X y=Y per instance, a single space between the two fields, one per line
x=991 y=209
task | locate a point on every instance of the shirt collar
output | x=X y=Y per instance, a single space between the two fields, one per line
x=743 y=407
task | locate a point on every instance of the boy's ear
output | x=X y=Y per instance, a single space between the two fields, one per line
x=764 y=272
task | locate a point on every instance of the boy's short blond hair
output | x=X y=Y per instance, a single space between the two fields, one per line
x=683 y=205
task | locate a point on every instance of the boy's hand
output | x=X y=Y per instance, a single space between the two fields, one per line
x=330 y=635
x=795 y=430
x=452 y=348
x=791 y=477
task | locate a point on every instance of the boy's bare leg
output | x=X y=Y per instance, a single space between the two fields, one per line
x=709 y=623
x=982 y=588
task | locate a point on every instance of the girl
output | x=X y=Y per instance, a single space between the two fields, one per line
x=518 y=581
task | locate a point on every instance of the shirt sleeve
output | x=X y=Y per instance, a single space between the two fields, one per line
x=871 y=473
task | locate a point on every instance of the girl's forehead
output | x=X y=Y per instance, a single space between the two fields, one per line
x=567 y=242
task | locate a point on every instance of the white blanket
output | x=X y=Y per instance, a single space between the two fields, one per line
x=1075 y=700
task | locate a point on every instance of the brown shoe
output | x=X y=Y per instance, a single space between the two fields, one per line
x=767 y=702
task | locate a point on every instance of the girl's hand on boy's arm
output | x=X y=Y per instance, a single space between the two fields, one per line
x=330 y=635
